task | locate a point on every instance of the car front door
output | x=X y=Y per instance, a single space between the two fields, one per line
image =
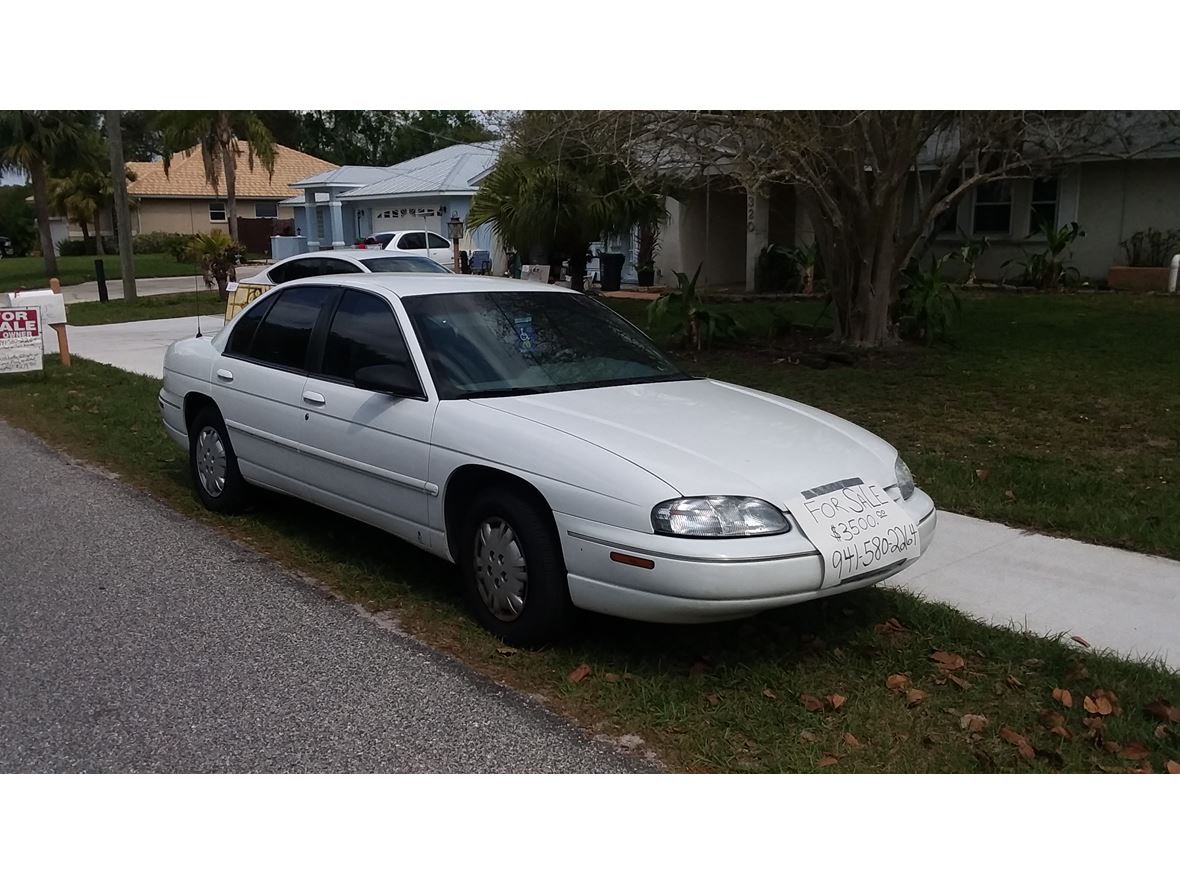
x=258 y=383
x=439 y=249
x=371 y=448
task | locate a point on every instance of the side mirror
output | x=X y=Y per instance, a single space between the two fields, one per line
x=396 y=379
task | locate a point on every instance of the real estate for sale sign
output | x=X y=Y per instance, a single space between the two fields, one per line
x=21 y=346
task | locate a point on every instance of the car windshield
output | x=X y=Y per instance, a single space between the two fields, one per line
x=402 y=264
x=513 y=343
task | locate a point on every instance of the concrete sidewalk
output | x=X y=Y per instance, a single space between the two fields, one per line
x=1126 y=602
x=149 y=285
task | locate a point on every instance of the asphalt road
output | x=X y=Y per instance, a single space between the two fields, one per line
x=133 y=639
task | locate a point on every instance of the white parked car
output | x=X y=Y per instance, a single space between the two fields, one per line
x=416 y=242
x=318 y=264
x=540 y=441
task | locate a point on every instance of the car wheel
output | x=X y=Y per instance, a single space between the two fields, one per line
x=513 y=570
x=213 y=465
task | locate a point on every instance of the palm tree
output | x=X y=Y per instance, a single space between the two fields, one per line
x=33 y=142
x=219 y=136
x=559 y=205
x=217 y=256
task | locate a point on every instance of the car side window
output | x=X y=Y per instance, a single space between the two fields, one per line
x=294 y=270
x=284 y=334
x=413 y=240
x=437 y=242
x=364 y=332
x=335 y=265
x=242 y=337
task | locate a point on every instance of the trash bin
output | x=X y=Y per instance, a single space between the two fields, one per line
x=612 y=270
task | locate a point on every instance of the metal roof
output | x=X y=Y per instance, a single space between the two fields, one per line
x=346 y=176
x=449 y=170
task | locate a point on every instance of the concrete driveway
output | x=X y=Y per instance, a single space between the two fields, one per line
x=137 y=347
x=149 y=285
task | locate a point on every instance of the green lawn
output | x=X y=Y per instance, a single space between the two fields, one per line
x=848 y=684
x=29 y=273
x=1054 y=412
x=146 y=307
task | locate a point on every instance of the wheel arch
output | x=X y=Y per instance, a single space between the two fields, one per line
x=193 y=403
x=468 y=481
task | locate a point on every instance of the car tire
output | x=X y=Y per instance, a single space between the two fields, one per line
x=513 y=572
x=213 y=465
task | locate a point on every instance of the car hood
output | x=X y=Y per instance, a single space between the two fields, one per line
x=705 y=437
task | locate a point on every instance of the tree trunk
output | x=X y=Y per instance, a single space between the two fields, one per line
x=122 y=209
x=99 y=248
x=85 y=235
x=223 y=286
x=41 y=202
x=229 y=163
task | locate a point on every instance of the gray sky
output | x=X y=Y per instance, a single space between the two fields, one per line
x=9 y=177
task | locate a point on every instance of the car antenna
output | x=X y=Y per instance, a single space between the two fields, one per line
x=196 y=292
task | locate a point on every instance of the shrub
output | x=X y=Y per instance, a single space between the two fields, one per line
x=1047 y=269
x=158 y=242
x=1151 y=247
x=84 y=247
x=776 y=270
x=928 y=305
x=683 y=313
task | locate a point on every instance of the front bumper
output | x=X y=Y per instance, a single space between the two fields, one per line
x=699 y=580
x=172 y=417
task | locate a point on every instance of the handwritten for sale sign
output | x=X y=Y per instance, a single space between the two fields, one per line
x=21 y=347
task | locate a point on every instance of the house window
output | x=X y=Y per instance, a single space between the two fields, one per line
x=217 y=211
x=993 y=208
x=266 y=209
x=1043 y=208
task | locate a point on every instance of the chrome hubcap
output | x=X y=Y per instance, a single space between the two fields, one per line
x=211 y=470
x=501 y=574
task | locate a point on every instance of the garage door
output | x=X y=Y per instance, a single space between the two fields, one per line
x=392 y=219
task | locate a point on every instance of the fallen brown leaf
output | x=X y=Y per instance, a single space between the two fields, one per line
x=1094 y=724
x=1102 y=694
x=612 y=677
x=826 y=760
x=811 y=703
x=948 y=660
x=808 y=736
x=897 y=682
x=973 y=722
x=1019 y=741
x=1014 y=682
x=1051 y=719
x=1080 y=641
x=1099 y=705
x=1161 y=732
x=579 y=673
x=1172 y=766
x=914 y=696
x=1145 y=768
x=1135 y=751
x=962 y=683
x=835 y=701
x=1163 y=711
x=1077 y=670
x=1061 y=731
x=851 y=741
x=713 y=699
x=1063 y=696
x=767 y=693
x=506 y=651
x=983 y=473
x=1010 y=495
x=1112 y=747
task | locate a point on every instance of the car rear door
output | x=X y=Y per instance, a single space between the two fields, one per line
x=258 y=383
x=371 y=449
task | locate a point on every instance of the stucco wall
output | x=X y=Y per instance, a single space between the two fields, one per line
x=187 y=216
x=682 y=241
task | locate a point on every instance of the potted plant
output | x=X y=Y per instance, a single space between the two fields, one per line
x=1148 y=253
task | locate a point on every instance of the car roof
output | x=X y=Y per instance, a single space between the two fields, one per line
x=402 y=285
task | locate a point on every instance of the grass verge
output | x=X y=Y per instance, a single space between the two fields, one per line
x=29 y=273
x=1054 y=412
x=802 y=689
x=145 y=307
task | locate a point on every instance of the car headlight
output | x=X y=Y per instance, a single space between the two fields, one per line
x=905 y=479
x=722 y=516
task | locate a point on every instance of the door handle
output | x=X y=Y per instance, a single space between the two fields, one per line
x=225 y=375
x=312 y=397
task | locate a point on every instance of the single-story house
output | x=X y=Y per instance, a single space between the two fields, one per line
x=718 y=224
x=352 y=202
x=183 y=201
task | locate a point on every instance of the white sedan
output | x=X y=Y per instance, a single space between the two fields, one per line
x=318 y=264
x=542 y=443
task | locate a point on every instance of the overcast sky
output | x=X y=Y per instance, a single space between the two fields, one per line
x=7 y=177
